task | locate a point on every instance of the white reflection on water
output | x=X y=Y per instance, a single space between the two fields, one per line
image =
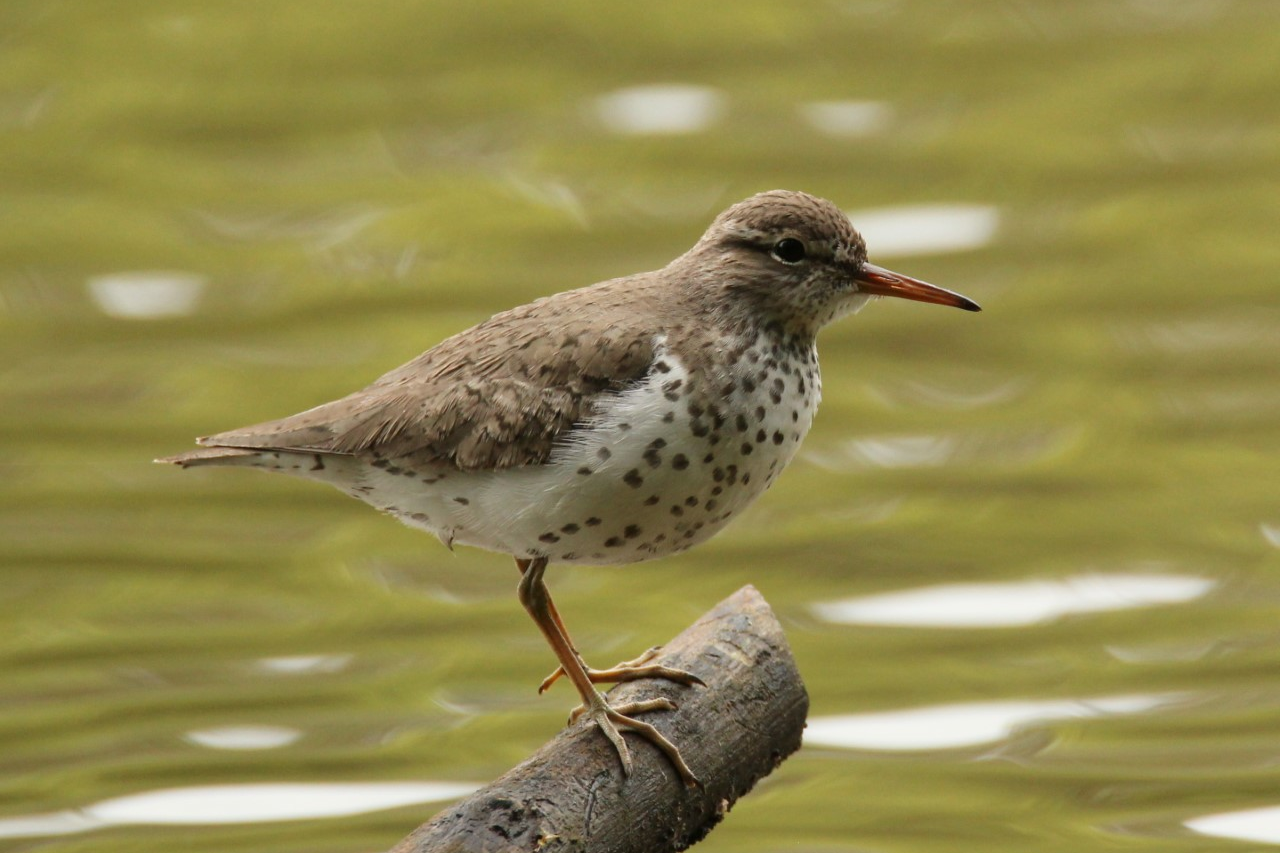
x=926 y=229
x=953 y=396
x=304 y=664
x=660 y=110
x=952 y=726
x=1252 y=825
x=323 y=230
x=244 y=737
x=230 y=804
x=993 y=447
x=847 y=118
x=1200 y=335
x=146 y=294
x=1271 y=532
x=998 y=605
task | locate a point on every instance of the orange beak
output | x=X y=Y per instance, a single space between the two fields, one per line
x=879 y=281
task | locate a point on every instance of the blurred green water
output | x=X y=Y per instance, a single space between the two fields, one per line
x=343 y=185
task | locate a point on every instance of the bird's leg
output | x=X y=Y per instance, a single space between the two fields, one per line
x=631 y=670
x=612 y=721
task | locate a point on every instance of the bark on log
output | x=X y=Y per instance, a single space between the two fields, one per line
x=571 y=794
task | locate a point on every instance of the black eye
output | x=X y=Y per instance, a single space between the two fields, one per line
x=789 y=251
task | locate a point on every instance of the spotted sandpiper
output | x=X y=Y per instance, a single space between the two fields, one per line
x=607 y=425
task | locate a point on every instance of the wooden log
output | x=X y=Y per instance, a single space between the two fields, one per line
x=571 y=794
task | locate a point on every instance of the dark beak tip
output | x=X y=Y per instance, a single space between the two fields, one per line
x=970 y=305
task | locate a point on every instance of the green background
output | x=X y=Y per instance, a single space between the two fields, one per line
x=348 y=183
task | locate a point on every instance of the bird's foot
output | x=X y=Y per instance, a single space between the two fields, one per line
x=630 y=671
x=613 y=720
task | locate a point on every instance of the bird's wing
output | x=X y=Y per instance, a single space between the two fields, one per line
x=499 y=395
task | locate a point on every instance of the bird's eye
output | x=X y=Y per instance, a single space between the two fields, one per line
x=789 y=251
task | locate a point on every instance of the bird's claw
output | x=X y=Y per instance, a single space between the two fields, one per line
x=631 y=670
x=612 y=721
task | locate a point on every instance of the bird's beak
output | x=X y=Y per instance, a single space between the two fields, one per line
x=879 y=281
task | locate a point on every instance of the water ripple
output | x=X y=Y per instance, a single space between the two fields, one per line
x=235 y=804
x=660 y=110
x=999 y=605
x=1261 y=825
x=960 y=725
x=927 y=229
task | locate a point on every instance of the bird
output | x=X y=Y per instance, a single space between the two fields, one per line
x=608 y=425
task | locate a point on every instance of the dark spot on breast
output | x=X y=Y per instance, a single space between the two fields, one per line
x=633 y=479
x=631 y=531
x=795 y=416
x=379 y=463
x=462 y=501
x=775 y=396
x=748 y=385
x=651 y=500
x=741 y=423
x=691 y=501
x=777 y=438
x=592 y=521
x=717 y=490
x=699 y=429
x=584 y=470
x=760 y=413
x=613 y=542
x=679 y=461
x=604 y=453
x=711 y=504
x=708 y=459
x=319 y=466
x=718 y=475
x=761 y=435
x=654 y=458
x=746 y=448
x=729 y=388
x=677 y=510
x=548 y=538
x=668 y=417
x=746 y=478
x=570 y=528
x=662 y=367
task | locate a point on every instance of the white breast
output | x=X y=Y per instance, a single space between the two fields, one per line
x=653 y=473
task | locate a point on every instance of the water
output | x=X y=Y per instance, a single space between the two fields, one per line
x=1029 y=560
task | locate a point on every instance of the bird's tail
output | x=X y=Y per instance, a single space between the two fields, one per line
x=214 y=456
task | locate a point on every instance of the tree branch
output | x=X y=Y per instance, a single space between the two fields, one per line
x=571 y=795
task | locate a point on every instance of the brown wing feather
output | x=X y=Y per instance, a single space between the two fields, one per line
x=499 y=395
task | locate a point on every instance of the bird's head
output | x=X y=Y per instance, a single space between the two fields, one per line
x=797 y=259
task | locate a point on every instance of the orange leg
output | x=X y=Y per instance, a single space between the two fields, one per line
x=631 y=670
x=612 y=721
